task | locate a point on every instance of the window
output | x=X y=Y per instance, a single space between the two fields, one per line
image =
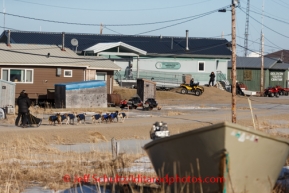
x=100 y=76
x=17 y=75
x=67 y=73
x=201 y=66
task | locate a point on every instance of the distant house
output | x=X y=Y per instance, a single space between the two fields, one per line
x=37 y=68
x=249 y=72
x=150 y=57
x=282 y=55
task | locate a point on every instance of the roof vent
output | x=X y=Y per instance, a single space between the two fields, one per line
x=8 y=38
x=187 y=40
x=63 y=40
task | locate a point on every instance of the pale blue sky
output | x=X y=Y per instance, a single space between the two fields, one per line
x=113 y=12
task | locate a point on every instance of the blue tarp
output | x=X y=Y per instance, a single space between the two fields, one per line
x=82 y=85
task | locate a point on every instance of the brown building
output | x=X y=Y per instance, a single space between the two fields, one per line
x=283 y=55
x=37 y=68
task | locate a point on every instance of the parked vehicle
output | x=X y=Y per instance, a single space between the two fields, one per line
x=149 y=104
x=194 y=89
x=132 y=103
x=271 y=92
x=282 y=91
x=135 y=102
x=123 y=104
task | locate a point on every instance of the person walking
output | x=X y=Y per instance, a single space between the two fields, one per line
x=23 y=103
x=212 y=78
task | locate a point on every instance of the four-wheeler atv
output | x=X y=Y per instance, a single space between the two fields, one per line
x=271 y=92
x=132 y=103
x=135 y=102
x=282 y=91
x=194 y=89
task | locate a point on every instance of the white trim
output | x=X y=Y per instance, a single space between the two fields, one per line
x=199 y=66
x=118 y=54
x=25 y=69
x=105 y=75
x=105 y=46
x=65 y=75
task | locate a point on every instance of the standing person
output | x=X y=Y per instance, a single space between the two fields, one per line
x=212 y=78
x=23 y=103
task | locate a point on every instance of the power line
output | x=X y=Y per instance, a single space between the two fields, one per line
x=265 y=25
x=282 y=21
x=265 y=45
x=108 y=10
x=93 y=24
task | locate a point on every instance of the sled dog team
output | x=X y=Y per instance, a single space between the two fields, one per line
x=68 y=118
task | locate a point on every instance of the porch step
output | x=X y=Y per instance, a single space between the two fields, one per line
x=115 y=83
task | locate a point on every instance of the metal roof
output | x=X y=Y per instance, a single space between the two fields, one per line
x=157 y=45
x=49 y=55
x=253 y=62
x=105 y=46
x=281 y=66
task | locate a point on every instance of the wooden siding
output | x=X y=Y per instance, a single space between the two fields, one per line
x=45 y=78
x=253 y=80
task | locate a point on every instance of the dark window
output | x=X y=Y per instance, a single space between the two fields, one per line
x=201 y=66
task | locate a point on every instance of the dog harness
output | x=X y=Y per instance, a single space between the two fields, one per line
x=81 y=117
x=97 y=116
x=71 y=116
x=53 y=118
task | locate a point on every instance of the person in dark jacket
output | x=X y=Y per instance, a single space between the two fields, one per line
x=212 y=78
x=192 y=82
x=23 y=103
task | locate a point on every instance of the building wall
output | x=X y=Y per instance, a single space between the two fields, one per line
x=91 y=75
x=278 y=77
x=88 y=94
x=179 y=66
x=252 y=78
x=44 y=78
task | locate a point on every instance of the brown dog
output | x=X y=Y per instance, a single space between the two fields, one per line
x=106 y=118
x=54 y=118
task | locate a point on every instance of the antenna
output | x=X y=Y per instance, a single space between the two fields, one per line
x=247 y=28
x=74 y=42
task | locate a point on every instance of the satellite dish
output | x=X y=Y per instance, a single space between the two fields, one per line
x=74 y=42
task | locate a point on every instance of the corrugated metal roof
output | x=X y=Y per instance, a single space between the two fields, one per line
x=49 y=55
x=151 y=44
x=281 y=66
x=252 y=62
x=105 y=46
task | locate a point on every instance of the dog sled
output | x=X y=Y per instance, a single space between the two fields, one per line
x=32 y=121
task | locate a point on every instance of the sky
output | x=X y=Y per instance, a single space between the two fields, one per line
x=155 y=18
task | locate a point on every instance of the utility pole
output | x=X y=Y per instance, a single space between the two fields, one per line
x=233 y=72
x=262 y=56
x=4 y=12
x=262 y=64
x=101 y=29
